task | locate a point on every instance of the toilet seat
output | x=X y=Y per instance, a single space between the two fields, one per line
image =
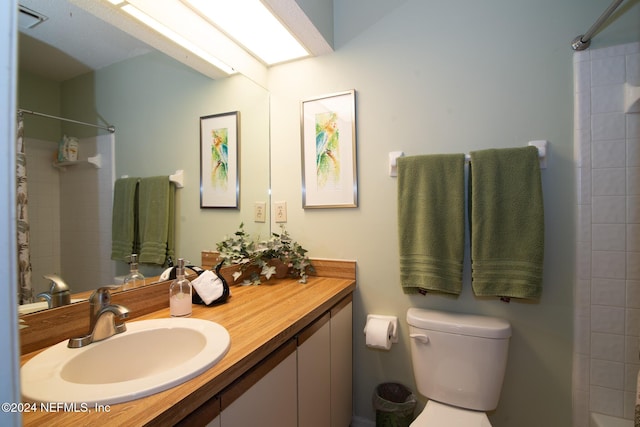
x=436 y=414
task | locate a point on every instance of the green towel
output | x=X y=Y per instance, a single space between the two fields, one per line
x=124 y=221
x=507 y=223
x=431 y=222
x=153 y=216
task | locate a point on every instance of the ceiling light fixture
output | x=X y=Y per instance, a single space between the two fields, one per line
x=176 y=37
x=253 y=26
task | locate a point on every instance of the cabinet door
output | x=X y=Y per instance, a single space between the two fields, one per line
x=265 y=396
x=314 y=374
x=341 y=363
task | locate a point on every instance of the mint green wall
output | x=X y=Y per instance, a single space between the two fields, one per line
x=446 y=77
x=39 y=94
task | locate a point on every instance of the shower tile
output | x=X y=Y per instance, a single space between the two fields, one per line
x=582 y=76
x=609 y=182
x=609 y=210
x=609 y=347
x=584 y=223
x=606 y=401
x=629 y=405
x=633 y=126
x=633 y=265
x=581 y=368
x=631 y=349
x=583 y=184
x=582 y=110
x=633 y=69
x=608 y=292
x=608 y=71
x=633 y=181
x=633 y=153
x=633 y=237
x=608 y=264
x=582 y=147
x=607 y=99
x=632 y=320
x=583 y=260
x=607 y=374
x=633 y=293
x=609 y=237
x=609 y=154
x=607 y=319
x=607 y=126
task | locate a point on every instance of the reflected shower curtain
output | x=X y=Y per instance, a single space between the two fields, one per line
x=25 y=291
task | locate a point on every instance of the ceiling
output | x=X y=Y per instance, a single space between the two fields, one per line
x=78 y=36
x=71 y=42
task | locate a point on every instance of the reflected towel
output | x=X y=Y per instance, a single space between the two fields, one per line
x=153 y=216
x=431 y=222
x=507 y=223
x=124 y=220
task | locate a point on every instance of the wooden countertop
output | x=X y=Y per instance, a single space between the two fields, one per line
x=259 y=319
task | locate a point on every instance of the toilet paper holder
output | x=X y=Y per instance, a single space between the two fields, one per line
x=392 y=319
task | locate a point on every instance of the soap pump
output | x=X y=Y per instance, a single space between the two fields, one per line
x=134 y=279
x=180 y=293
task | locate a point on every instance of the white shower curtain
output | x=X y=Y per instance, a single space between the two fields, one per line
x=25 y=290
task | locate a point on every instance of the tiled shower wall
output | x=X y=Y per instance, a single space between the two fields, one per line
x=607 y=288
x=70 y=215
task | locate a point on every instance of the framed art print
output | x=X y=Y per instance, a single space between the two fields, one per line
x=220 y=160
x=329 y=167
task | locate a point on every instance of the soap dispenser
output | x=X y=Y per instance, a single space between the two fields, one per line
x=134 y=279
x=180 y=293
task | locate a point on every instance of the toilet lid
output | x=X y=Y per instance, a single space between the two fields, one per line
x=439 y=415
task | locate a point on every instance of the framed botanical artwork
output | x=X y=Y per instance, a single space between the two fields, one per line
x=220 y=160
x=329 y=167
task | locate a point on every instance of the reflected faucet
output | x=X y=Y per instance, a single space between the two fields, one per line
x=58 y=294
x=105 y=319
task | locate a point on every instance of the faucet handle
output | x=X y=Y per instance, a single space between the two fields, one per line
x=102 y=296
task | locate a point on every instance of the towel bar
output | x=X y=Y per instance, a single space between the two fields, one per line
x=177 y=178
x=541 y=145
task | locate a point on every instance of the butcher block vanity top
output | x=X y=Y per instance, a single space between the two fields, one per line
x=259 y=320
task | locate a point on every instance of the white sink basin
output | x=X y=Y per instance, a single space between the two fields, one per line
x=151 y=356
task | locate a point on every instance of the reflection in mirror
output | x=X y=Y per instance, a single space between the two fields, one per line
x=155 y=103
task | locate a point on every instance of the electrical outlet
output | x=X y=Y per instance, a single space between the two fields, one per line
x=260 y=212
x=280 y=211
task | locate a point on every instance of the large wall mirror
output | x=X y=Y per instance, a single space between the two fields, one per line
x=155 y=104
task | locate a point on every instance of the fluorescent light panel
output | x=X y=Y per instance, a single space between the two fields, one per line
x=253 y=26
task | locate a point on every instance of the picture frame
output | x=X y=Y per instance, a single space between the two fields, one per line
x=329 y=154
x=220 y=160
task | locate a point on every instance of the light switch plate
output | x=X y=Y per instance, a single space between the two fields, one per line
x=280 y=211
x=260 y=212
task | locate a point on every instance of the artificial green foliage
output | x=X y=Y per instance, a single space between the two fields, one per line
x=242 y=250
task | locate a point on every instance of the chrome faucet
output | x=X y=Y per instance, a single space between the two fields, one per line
x=58 y=294
x=105 y=319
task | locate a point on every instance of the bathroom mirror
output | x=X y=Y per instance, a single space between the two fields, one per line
x=155 y=104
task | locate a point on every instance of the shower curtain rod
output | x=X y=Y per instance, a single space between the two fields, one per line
x=583 y=41
x=109 y=128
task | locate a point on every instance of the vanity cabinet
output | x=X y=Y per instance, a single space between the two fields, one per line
x=342 y=363
x=325 y=369
x=266 y=395
x=307 y=382
x=314 y=374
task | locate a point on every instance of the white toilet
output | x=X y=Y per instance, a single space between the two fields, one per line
x=459 y=362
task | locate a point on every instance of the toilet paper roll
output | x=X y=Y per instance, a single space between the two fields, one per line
x=378 y=333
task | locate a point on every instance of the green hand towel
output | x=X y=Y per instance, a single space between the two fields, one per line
x=507 y=223
x=153 y=214
x=431 y=222
x=124 y=221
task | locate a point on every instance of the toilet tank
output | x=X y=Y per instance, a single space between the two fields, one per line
x=459 y=359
